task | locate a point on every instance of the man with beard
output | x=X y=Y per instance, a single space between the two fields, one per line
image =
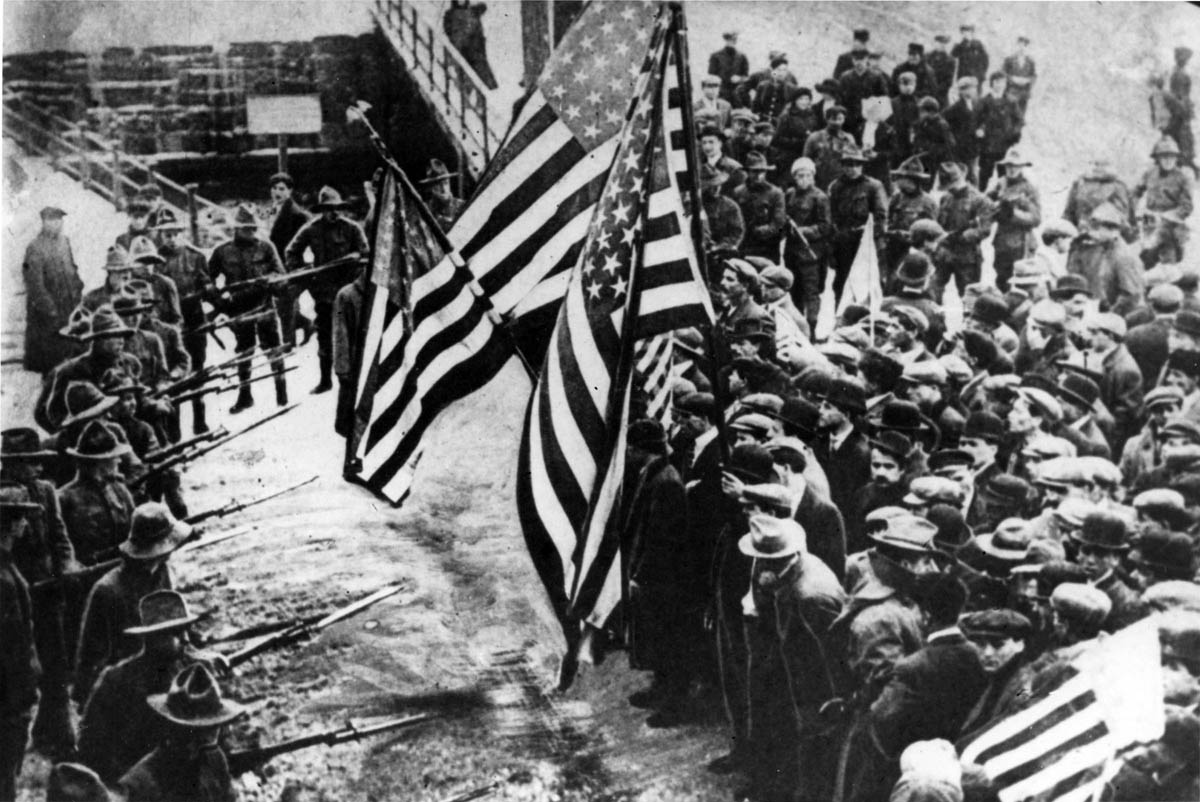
x=1100 y=548
x=113 y=733
x=999 y=637
x=1018 y=213
x=792 y=673
x=890 y=474
x=666 y=581
x=825 y=147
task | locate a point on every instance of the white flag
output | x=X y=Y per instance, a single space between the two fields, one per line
x=862 y=285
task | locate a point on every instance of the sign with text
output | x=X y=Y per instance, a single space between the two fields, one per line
x=283 y=114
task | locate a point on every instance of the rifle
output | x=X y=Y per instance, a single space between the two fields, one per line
x=304 y=630
x=474 y=793
x=259 y=630
x=245 y=760
x=253 y=316
x=274 y=279
x=82 y=575
x=199 y=452
x=184 y=445
x=238 y=506
x=220 y=370
x=227 y=387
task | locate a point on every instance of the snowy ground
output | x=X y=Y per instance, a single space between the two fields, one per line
x=473 y=619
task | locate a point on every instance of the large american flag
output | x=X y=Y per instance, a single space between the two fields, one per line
x=513 y=246
x=636 y=278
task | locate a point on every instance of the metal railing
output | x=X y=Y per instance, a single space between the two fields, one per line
x=94 y=161
x=448 y=82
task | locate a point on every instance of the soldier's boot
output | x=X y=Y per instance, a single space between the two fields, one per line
x=245 y=400
x=281 y=396
x=306 y=326
x=199 y=423
x=326 y=382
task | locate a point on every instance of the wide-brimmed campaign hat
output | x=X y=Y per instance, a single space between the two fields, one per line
x=771 y=538
x=116 y=381
x=167 y=221
x=1014 y=159
x=23 y=443
x=14 y=500
x=162 y=611
x=107 y=323
x=194 y=700
x=154 y=532
x=97 y=441
x=143 y=250
x=911 y=168
x=329 y=199
x=85 y=401
x=79 y=324
x=116 y=260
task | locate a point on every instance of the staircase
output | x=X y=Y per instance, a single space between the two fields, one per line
x=448 y=84
x=100 y=165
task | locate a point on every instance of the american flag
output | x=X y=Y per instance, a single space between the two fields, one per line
x=653 y=372
x=1062 y=746
x=636 y=278
x=514 y=245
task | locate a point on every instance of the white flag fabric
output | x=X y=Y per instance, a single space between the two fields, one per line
x=863 y=285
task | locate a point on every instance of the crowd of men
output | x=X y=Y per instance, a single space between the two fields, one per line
x=873 y=546
x=91 y=506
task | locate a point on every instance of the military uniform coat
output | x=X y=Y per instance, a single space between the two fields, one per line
x=187 y=267
x=328 y=241
x=809 y=210
x=1089 y=192
x=45 y=549
x=51 y=406
x=96 y=516
x=723 y=222
x=52 y=290
x=170 y=774
x=763 y=213
x=1018 y=213
x=240 y=259
x=166 y=294
x=1112 y=270
x=825 y=148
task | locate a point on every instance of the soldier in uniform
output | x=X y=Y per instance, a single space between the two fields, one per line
x=971 y=55
x=178 y=361
x=96 y=505
x=112 y=605
x=724 y=227
x=852 y=199
x=761 y=203
x=189 y=762
x=242 y=258
x=1166 y=190
x=966 y=215
x=138 y=212
x=52 y=290
x=19 y=669
x=44 y=553
x=806 y=249
x=825 y=147
x=286 y=219
x=329 y=236
x=441 y=201
x=347 y=318
x=1097 y=186
x=1018 y=213
x=908 y=204
x=106 y=349
x=117 y=270
x=146 y=260
x=114 y=734
x=185 y=265
x=730 y=65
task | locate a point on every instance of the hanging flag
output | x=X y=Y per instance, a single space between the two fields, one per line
x=653 y=372
x=863 y=286
x=637 y=277
x=515 y=244
x=1061 y=748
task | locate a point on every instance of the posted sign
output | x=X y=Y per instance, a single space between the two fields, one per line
x=283 y=114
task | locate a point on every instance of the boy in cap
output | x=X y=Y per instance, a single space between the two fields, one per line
x=244 y=257
x=1165 y=192
x=189 y=762
x=112 y=604
x=52 y=289
x=114 y=734
x=1018 y=211
x=1121 y=379
x=710 y=109
x=329 y=236
x=287 y=218
x=806 y=244
x=19 y=666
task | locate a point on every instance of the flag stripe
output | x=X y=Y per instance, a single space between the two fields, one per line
x=1089 y=755
x=1046 y=751
x=535 y=120
x=1009 y=732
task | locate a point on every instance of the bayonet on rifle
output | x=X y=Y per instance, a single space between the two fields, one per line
x=246 y=760
x=238 y=506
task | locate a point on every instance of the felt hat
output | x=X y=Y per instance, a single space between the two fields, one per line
x=771 y=496
x=116 y=260
x=85 y=401
x=437 y=171
x=801 y=414
x=945 y=459
x=1041 y=403
x=282 y=178
x=907 y=532
x=1028 y=272
x=243 y=217
x=984 y=425
x=1165 y=298
x=1104 y=530
x=904 y=417
x=116 y=381
x=1107 y=215
x=789 y=451
x=1008 y=543
x=756 y=162
x=97 y=441
x=772 y=538
x=989 y=309
x=729 y=35
x=328 y=200
x=14 y=500
x=1080 y=603
x=52 y=213
x=167 y=221
x=1187 y=322
x=751 y=463
x=778 y=60
x=754 y=329
x=914 y=270
x=162 y=611
x=194 y=700
x=848 y=395
x=757 y=425
x=79 y=323
x=1165 y=147
x=829 y=87
x=711 y=130
x=996 y=623
x=893 y=443
x=74 y=782
x=1079 y=390
x=952 y=530
x=712 y=177
x=154 y=532
x=130 y=304
x=699 y=404
x=952 y=171
x=1013 y=158
x=853 y=154
x=1166 y=554
x=1008 y=489
x=922 y=231
x=911 y=318
x=143 y=250
x=911 y=168
x=23 y=443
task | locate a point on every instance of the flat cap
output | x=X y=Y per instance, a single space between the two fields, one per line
x=929 y=371
x=934 y=490
x=1109 y=322
x=1174 y=594
x=1166 y=395
x=1080 y=603
x=755 y=423
x=777 y=276
x=1000 y=623
x=1048 y=313
x=1165 y=298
